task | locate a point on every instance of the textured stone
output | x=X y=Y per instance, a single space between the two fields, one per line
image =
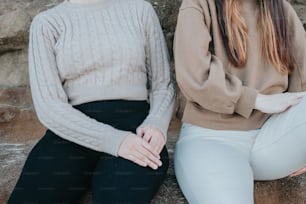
x=23 y=127
x=14 y=25
x=13 y=62
x=18 y=96
x=7 y=113
x=167 y=11
x=12 y=157
x=18 y=121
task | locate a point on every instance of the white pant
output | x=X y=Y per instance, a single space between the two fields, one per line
x=219 y=166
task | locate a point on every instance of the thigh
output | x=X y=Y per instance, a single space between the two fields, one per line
x=279 y=148
x=117 y=180
x=56 y=171
x=211 y=172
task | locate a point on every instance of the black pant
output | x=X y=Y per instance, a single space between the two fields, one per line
x=59 y=171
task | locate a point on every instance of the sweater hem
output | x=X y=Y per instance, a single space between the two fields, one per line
x=90 y=94
x=216 y=121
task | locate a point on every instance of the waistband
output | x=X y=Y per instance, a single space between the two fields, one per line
x=114 y=106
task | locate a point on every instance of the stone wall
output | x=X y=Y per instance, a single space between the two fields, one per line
x=18 y=123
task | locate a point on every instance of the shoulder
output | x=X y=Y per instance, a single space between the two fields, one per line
x=200 y=5
x=143 y=8
x=49 y=13
x=286 y=4
x=205 y=8
x=49 y=19
x=290 y=13
x=295 y=24
x=289 y=10
x=139 y=8
x=139 y=4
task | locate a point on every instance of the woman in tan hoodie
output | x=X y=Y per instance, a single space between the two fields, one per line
x=241 y=66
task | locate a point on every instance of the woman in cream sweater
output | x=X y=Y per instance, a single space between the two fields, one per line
x=241 y=65
x=100 y=81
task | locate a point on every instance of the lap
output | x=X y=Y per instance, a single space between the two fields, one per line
x=278 y=158
x=207 y=168
x=279 y=148
x=60 y=171
x=117 y=180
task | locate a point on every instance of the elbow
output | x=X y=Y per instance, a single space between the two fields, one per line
x=44 y=111
x=42 y=117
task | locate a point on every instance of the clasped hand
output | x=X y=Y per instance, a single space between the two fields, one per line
x=143 y=148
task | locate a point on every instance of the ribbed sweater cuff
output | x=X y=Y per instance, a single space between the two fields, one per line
x=113 y=144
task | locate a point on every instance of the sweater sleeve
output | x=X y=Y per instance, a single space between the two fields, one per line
x=161 y=87
x=297 y=79
x=201 y=75
x=51 y=102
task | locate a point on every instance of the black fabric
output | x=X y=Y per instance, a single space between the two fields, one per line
x=59 y=171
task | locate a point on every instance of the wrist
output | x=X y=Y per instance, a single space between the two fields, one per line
x=258 y=101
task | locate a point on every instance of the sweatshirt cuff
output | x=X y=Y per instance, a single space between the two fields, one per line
x=246 y=102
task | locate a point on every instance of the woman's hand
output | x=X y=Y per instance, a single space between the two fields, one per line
x=139 y=151
x=298 y=172
x=153 y=136
x=277 y=103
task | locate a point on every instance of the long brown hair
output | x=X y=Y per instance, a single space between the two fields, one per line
x=273 y=28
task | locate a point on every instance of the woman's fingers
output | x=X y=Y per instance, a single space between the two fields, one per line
x=137 y=160
x=143 y=159
x=298 y=172
x=295 y=98
x=301 y=94
x=142 y=133
x=295 y=95
x=296 y=101
x=277 y=103
x=150 y=148
x=151 y=160
x=155 y=138
x=139 y=151
x=158 y=143
x=147 y=137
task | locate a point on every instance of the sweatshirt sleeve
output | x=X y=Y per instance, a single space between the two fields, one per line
x=51 y=102
x=297 y=79
x=161 y=87
x=200 y=74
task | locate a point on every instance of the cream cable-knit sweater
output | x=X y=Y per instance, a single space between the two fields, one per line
x=113 y=49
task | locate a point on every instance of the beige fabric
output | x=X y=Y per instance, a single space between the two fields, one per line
x=219 y=95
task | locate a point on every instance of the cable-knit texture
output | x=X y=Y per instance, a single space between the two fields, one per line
x=114 y=49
